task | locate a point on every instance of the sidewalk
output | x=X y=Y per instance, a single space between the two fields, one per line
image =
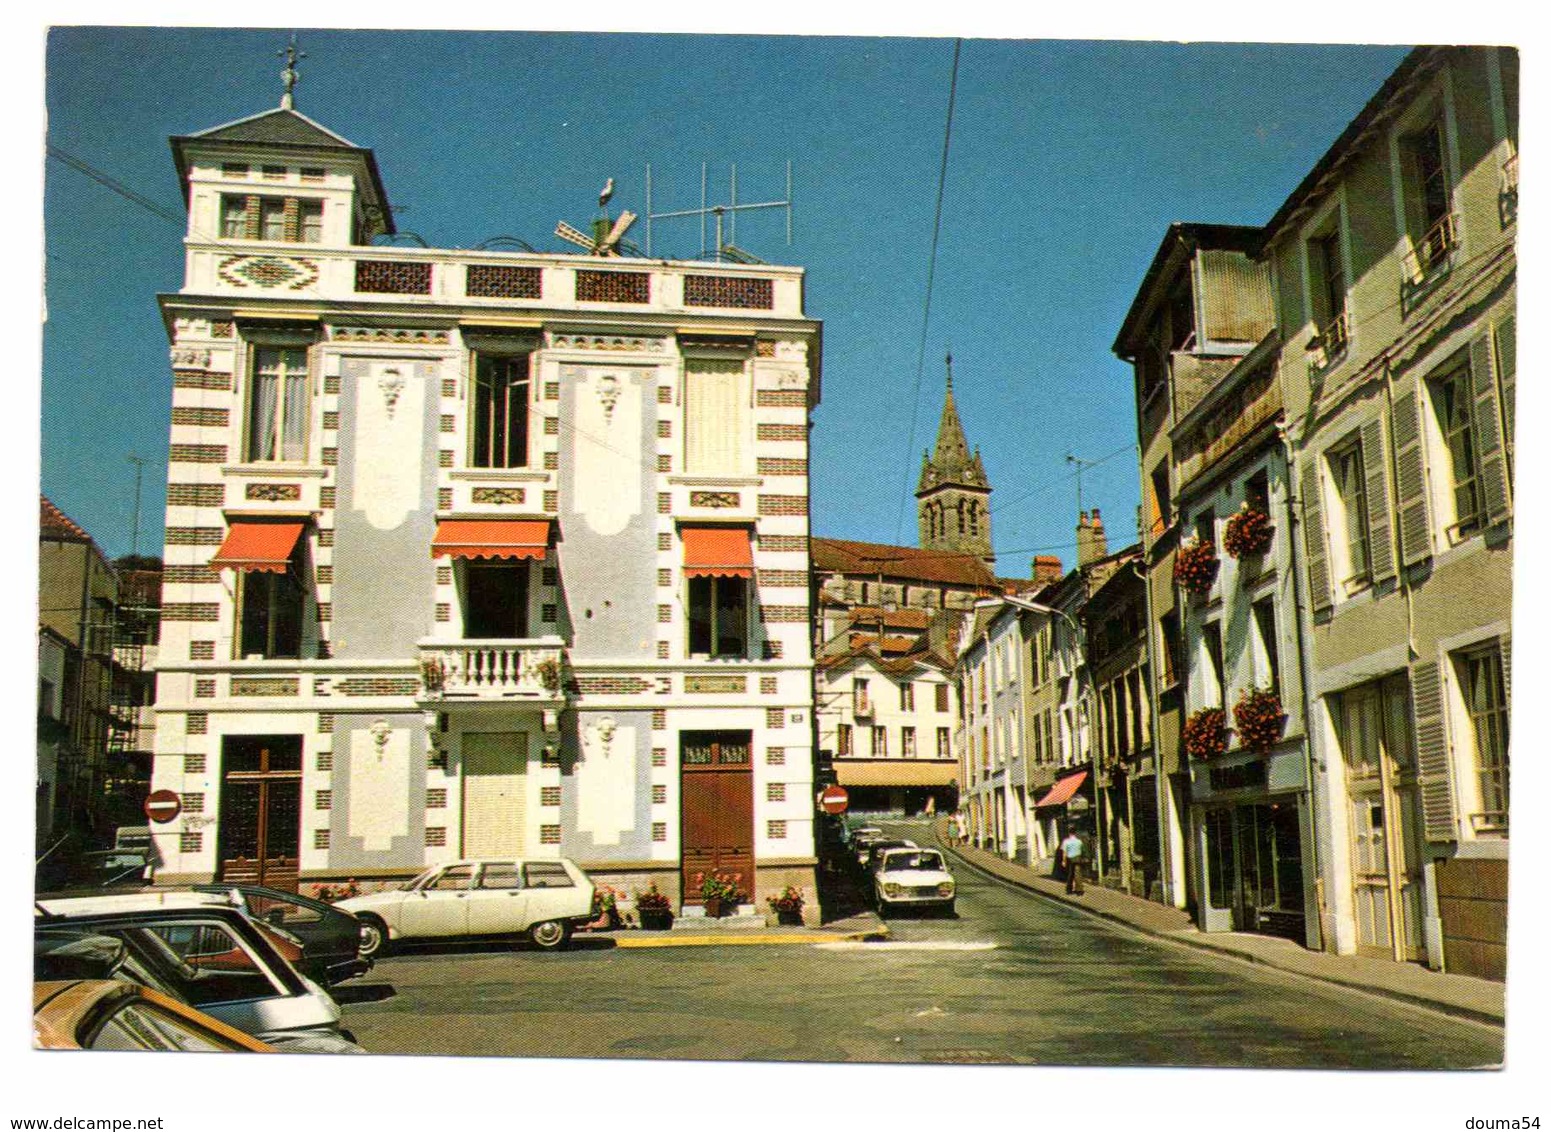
x=733 y=933
x=1460 y=995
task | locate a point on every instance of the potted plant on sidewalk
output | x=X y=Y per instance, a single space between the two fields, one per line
x=721 y=892
x=787 y=905
x=654 y=909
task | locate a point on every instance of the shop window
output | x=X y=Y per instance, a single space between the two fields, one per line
x=495 y=600
x=279 y=405
x=498 y=409
x=718 y=616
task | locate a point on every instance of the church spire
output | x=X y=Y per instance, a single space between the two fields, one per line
x=951 y=461
x=954 y=495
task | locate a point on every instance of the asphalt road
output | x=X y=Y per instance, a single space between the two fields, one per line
x=1013 y=979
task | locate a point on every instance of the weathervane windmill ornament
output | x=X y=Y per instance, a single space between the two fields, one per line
x=289 y=76
x=606 y=233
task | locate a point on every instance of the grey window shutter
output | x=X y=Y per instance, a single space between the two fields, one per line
x=1505 y=645
x=1381 y=555
x=1314 y=538
x=1488 y=430
x=1434 y=773
x=1410 y=479
x=1507 y=370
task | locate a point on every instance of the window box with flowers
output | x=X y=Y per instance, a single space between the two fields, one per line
x=721 y=892
x=605 y=910
x=1259 y=719
x=1248 y=532
x=787 y=905
x=654 y=910
x=1206 y=733
x=1195 y=566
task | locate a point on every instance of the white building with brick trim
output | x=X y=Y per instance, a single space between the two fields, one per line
x=475 y=553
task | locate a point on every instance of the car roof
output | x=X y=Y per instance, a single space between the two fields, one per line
x=145 y=900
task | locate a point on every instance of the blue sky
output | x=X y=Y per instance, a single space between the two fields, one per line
x=1068 y=160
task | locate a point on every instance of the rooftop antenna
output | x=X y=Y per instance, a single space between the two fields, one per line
x=1081 y=464
x=289 y=76
x=134 y=539
x=606 y=233
x=725 y=214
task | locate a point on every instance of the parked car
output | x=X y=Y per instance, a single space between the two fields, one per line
x=115 y=1015
x=912 y=878
x=330 y=936
x=101 y=868
x=206 y=952
x=876 y=850
x=545 y=899
x=862 y=839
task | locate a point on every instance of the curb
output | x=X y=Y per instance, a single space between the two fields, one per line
x=1201 y=945
x=741 y=939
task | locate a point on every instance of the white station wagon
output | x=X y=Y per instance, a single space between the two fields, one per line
x=543 y=899
x=912 y=878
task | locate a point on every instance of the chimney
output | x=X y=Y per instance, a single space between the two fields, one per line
x=1091 y=543
x=1045 y=569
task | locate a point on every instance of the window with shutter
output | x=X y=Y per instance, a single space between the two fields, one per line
x=1314 y=539
x=1410 y=479
x=1504 y=336
x=1381 y=555
x=1434 y=774
x=1487 y=424
x=716 y=417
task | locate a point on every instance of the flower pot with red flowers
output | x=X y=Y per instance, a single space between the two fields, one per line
x=1206 y=733
x=1248 y=533
x=1195 y=566
x=1259 y=719
x=720 y=892
x=787 y=905
x=654 y=909
x=605 y=910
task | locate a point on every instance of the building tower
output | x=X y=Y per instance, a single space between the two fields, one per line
x=953 y=501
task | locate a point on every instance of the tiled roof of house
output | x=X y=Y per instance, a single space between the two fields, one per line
x=845 y=556
x=892 y=618
x=55 y=524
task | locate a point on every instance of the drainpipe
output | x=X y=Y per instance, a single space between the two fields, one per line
x=1294 y=528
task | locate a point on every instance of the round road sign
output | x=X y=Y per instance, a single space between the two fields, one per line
x=161 y=806
x=833 y=799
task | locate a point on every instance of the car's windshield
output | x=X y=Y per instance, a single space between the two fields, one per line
x=899 y=862
x=420 y=881
x=196 y=963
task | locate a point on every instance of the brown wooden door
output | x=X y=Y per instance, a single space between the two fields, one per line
x=718 y=815
x=261 y=810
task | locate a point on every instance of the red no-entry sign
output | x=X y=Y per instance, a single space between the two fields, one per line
x=161 y=806
x=834 y=799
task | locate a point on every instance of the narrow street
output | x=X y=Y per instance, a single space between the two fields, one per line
x=1013 y=979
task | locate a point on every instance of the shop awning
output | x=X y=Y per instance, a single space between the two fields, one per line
x=895 y=772
x=1063 y=790
x=258 y=546
x=491 y=538
x=717 y=551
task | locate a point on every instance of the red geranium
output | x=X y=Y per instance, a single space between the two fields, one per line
x=1195 y=566
x=1259 y=718
x=1206 y=733
x=1247 y=532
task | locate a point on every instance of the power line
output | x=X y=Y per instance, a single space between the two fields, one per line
x=931 y=272
x=1059 y=481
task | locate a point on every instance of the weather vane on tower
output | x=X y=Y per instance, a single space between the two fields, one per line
x=289 y=77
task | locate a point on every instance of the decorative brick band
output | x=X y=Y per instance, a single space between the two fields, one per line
x=436 y=799
x=273 y=492
x=782 y=614
x=444 y=499
x=326 y=496
x=190 y=841
x=325 y=536
x=551 y=461
x=548 y=795
x=196 y=494
x=783 y=578
x=200 y=416
x=782 y=399
x=195 y=536
x=664 y=429
x=775 y=791
x=449 y=387
x=330 y=457
x=320 y=839
x=659 y=720
x=768 y=685
x=549 y=613
x=665 y=394
x=549 y=835
x=201 y=650
x=331 y=382
x=325 y=611
x=194 y=762
x=551 y=426
x=659 y=831
x=449 y=423
x=435 y=836
x=551 y=391
x=775 y=756
x=325 y=575
x=697 y=683
x=193 y=802
x=325 y=722
x=190 y=611
x=204 y=689
x=783 y=544
x=781 y=466
x=197 y=454
x=775 y=717
x=551 y=501
x=783 y=504
x=323 y=800
x=730 y=291
x=189 y=575
x=770 y=431
x=663 y=650
x=444 y=458
x=331 y=420
x=613 y=287
x=664 y=503
x=772 y=650
x=196 y=723
x=775 y=830
x=664 y=540
x=265 y=686
x=664 y=614
x=659 y=756
x=194 y=379
x=664 y=462
x=612 y=685
x=379 y=686
x=660 y=794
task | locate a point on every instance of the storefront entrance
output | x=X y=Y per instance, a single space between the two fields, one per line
x=1254 y=869
x=261 y=803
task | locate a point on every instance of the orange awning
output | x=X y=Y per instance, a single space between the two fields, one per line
x=491 y=538
x=258 y=546
x=717 y=551
x=1063 y=790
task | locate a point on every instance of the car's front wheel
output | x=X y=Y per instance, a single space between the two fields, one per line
x=374 y=936
x=551 y=935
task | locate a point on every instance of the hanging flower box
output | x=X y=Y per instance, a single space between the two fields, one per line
x=1195 y=566
x=1206 y=733
x=1248 y=532
x=1259 y=720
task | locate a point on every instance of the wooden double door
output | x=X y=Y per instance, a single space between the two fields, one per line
x=717 y=787
x=261 y=810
